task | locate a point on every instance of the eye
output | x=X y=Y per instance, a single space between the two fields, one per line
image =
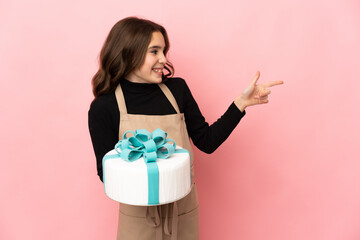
x=154 y=51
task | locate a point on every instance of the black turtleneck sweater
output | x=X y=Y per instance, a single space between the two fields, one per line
x=148 y=99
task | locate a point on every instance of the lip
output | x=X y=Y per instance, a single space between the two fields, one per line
x=158 y=71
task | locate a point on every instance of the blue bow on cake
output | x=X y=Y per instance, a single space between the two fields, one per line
x=144 y=144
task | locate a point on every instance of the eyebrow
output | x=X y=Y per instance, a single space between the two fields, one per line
x=155 y=47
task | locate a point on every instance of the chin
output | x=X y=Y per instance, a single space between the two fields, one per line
x=157 y=80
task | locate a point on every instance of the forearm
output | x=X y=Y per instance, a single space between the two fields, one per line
x=209 y=137
x=240 y=104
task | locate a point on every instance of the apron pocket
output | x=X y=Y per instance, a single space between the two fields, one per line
x=188 y=225
x=134 y=228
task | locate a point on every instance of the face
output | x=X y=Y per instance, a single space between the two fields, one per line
x=155 y=60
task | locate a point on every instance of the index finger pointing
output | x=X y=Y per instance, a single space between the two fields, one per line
x=273 y=83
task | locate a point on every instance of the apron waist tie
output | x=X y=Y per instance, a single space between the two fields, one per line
x=157 y=221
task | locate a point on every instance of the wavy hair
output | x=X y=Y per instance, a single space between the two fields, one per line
x=124 y=51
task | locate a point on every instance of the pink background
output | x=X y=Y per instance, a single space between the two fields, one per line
x=289 y=171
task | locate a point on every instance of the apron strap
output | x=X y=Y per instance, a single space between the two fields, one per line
x=120 y=100
x=157 y=221
x=169 y=96
x=175 y=219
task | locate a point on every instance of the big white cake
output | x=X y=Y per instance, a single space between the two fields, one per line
x=127 y=182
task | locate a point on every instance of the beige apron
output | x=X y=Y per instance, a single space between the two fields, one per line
x=179 y=220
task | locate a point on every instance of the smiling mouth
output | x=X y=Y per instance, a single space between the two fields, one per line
x=158 y=71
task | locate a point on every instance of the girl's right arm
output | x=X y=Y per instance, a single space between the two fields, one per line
x=102 y=130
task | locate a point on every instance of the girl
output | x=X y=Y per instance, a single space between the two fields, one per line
x=134 y=89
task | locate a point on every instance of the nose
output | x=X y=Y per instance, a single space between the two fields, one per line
x=162 y=59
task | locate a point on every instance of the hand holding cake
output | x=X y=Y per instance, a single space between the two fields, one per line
x=255 y=94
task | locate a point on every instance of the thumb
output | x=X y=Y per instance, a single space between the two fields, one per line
x=256 y=78
x=248 y=91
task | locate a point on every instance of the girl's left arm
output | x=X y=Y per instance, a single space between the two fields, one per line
x=209 y=137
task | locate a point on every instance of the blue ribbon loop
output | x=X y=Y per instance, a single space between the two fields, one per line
x=150 y=146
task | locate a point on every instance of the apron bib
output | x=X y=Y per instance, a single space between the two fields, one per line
x=178 y=220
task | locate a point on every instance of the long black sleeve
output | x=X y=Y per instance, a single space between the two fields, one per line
x=208 y=138
x=148 y=99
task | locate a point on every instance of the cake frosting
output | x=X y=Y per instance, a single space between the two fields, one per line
x=132 y=182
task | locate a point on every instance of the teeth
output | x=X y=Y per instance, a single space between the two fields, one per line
x=158 y=70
